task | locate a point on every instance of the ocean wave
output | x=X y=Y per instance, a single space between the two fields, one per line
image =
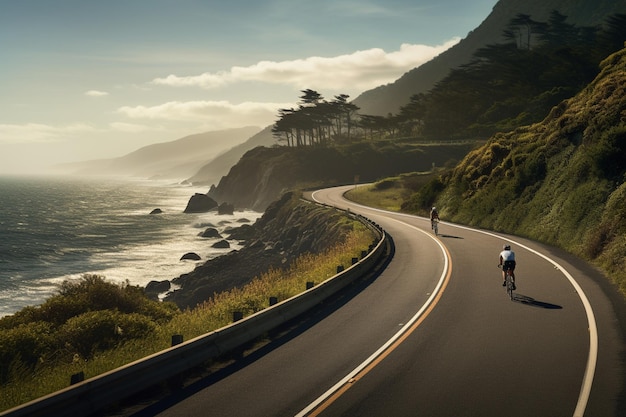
x=60 y=229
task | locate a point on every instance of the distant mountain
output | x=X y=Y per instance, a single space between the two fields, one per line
x=242 y=185
x=213 y=171
x=389 y=98
x=177 y=159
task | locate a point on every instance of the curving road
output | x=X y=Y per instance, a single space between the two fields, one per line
x=435 y=335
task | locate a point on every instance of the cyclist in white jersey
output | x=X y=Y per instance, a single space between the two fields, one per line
x=507 y=261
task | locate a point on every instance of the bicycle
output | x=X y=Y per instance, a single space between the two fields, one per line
x=434 y=224
x=509 y=282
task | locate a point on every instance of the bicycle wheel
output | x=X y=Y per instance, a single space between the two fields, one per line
x=509 y=285
x=436 y=228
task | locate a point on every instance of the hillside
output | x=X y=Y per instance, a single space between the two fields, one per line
x=176 y=159
x=212 y=171
x=560 y=181
x=263 y=174
x=288 y=229
x=389 y=98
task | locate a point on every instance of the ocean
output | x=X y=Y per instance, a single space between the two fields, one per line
x=54 y=229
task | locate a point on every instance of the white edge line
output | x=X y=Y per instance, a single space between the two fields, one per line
x=592 y=358
x=395 y=337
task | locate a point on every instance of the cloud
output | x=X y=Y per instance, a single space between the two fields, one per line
x=38 y=133
x=96 y=93
x=133 y=127
x=220 y=114
x=359 y=70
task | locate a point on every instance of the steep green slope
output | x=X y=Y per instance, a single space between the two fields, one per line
x=560 y=181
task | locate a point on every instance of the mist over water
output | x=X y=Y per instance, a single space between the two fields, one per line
x=54 y=229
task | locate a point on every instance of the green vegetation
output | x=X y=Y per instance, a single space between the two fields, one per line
x=94 y=326
x=503 y=87
x=560 y=181
x=391 y=193
x=263 y=174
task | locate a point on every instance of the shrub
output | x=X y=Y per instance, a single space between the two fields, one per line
x=24 y=345
x=99 y=330
x=425 y=197
x=609 y=155
x=385 y=184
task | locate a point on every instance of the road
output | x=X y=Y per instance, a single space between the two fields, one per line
x=435 y=335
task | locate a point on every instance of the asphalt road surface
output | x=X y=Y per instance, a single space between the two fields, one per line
x=436 y=335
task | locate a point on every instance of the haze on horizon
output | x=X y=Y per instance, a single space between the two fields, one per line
x=86 y=80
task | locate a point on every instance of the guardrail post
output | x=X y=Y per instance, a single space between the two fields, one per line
x=355 y=260
x=310 y=284
x=363 y=254
x=339 y=268
x=177 y=339
x=273 y=300
x=77 y=377
x=237 y=315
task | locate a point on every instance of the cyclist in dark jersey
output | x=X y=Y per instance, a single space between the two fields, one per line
x=434 y=214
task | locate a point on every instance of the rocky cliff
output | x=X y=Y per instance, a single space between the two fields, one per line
x=289 y=227
x=262 y=174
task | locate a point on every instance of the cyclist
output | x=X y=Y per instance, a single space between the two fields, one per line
x=507 y=261
x=434 y=214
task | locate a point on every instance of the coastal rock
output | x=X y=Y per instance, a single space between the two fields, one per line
x=273 y=241
x=244 y=232
x=225 y=208
x=156 y=211
x=210 y=232
x=191 y=256
x=222 y=244
x=154 y=288
x=200 y=203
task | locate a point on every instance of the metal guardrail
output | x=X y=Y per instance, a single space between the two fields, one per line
x=95 y=394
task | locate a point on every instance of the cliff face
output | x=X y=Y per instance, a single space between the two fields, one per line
x=263 y=174
x=288 y=228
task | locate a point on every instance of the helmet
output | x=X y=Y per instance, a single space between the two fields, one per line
x=434 y=208
x=506 y=247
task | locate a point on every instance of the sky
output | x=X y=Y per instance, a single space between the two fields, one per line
x=91 y=79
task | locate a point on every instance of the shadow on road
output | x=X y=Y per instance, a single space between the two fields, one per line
x=450 y=236
x=534 y=303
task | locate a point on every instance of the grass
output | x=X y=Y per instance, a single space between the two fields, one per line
x=602 y=243
x=390 y=193
x=367 y=195
x=211 y=315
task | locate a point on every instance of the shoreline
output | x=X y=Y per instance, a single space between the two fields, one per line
x=99 y=227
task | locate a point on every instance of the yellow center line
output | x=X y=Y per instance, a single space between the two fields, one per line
x=339 y=392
